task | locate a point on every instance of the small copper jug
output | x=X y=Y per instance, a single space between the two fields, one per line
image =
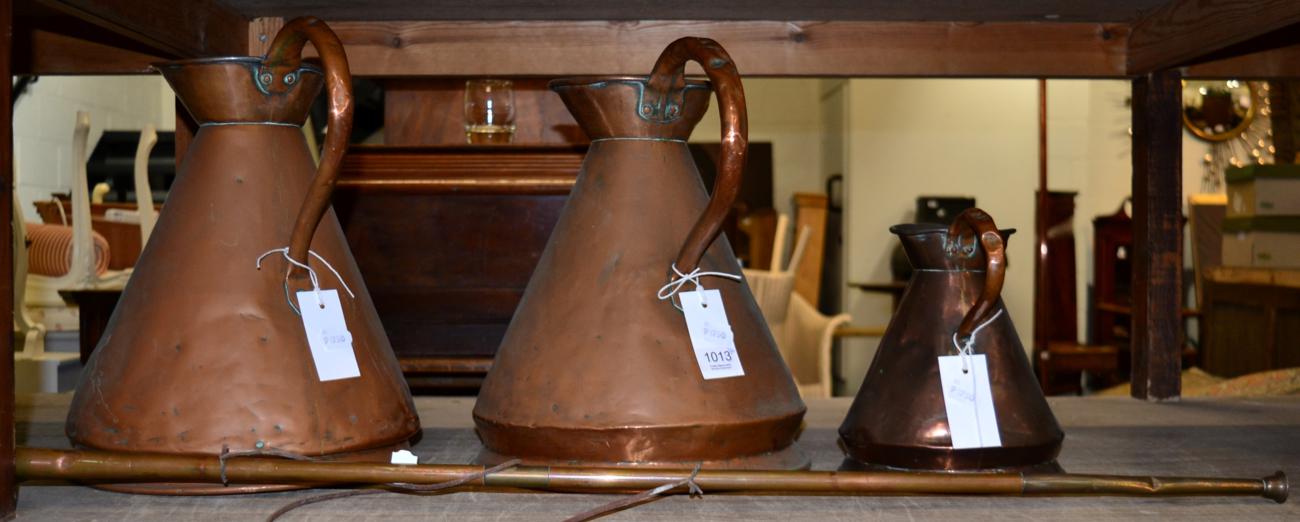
x=204 y=352
x=899 y=418
x=594 y=367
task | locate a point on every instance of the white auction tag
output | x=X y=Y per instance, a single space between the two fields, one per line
x=405 y=458
x=706 y=321
x=328 y=335
x=972 y=422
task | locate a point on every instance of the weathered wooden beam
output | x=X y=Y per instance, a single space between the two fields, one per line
x=856 y=10
x=761 y=48
x=42 y=52
x=176 y=28
x=261 y=32
x=1282 y=62
x=1183 y=30
x=1157 y=236
x=8 y=482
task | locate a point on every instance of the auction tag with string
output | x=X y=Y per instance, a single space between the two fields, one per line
x=972 y=422
x=711 y=337
x=328 y=335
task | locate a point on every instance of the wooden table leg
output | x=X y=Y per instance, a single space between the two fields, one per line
x=1157 y=260
x=8 y=483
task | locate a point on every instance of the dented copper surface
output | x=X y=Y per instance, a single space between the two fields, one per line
x=203 y=351
x=594 y=368
x=898 y=418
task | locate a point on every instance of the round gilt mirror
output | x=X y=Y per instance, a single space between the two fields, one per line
x=1218 y=110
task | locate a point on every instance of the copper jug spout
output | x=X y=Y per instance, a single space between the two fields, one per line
x=899 y=417
x=595 y=368
x=205 y=352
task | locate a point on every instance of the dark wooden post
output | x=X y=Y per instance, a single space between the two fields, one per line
x=1284 y=101
x=8 y=483
x=1157 y=235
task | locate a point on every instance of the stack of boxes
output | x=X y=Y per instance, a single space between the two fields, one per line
x=1262 y=223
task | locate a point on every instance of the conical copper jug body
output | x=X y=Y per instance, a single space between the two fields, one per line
x=204 y=353
x=898 y=418
x=594 y=367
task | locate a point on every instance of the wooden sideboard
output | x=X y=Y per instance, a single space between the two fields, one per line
x=447 y=238
x=1251 y=320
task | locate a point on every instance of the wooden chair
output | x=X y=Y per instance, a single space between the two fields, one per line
x=810 y=213
x=1106 y=358
x=759 y=228
x=1112 y=296
x=1060 y=358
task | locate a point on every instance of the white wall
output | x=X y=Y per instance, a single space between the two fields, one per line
x=44 y=118
x=786 y=113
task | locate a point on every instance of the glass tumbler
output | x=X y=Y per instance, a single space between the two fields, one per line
x=489 y=111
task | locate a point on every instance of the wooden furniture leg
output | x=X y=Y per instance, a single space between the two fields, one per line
x=1157 y=264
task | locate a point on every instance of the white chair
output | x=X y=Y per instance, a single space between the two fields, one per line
x=143 y=192
x=37 y=298
x=803 y=335
x=35 y=369
x=43 y=291
x=144 y=214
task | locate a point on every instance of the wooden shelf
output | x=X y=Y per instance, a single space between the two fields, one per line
x=1149 y=41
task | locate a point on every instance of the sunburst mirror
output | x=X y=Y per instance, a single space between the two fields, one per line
x=1218 y=110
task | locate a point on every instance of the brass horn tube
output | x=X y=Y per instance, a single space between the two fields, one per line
x=111 y=467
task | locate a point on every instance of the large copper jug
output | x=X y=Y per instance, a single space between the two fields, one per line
x=898 y=418
x=594 y=367
x=204 y=352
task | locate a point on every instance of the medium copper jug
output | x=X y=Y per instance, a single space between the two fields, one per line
x=898 y=418
x=205 y=352
x=594 y=367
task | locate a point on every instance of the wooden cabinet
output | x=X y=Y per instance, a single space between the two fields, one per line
x=447 y=239
x=1251 y=321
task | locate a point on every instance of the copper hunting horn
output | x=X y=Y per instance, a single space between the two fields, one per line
x=102 y=467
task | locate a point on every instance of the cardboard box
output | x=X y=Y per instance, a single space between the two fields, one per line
x=1263 y=190
x=1262 y=241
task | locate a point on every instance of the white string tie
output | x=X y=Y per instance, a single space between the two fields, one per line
x=692 y=488
x=311 y=274
x=966 y=351
x=667 y=291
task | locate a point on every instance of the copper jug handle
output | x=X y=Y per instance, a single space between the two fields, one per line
x=981 y=225
x=278 y=74
x=666 y=85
